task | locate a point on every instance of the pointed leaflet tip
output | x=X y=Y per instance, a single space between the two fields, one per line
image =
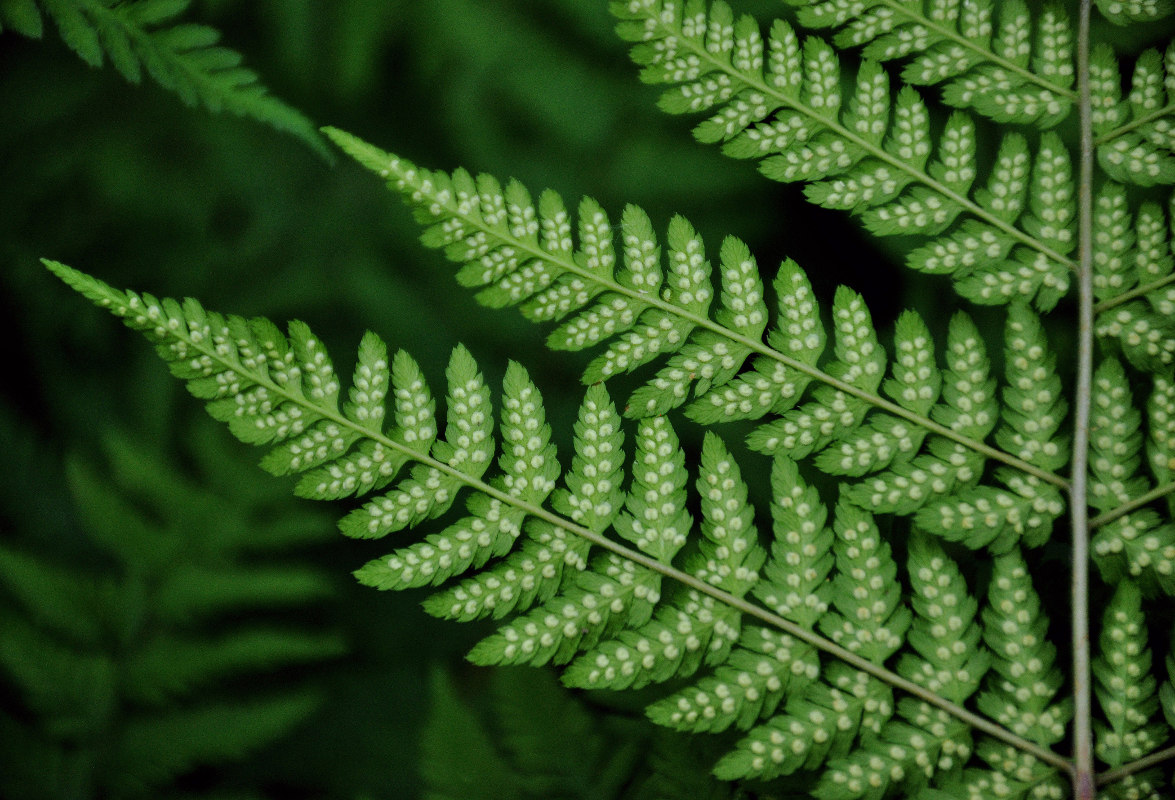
x=370 y=156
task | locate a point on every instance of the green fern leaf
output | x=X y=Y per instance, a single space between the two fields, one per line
x=1134 y=135
x=785 y=108
x=1124 y=12
x=1021 y=688
x=184 y=58
x=1013 y=68
x=1136 y=543
x=849 y=426
x=1132 y=281
x=1127 y=694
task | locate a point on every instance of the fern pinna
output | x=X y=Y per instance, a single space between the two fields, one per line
x=834 y=631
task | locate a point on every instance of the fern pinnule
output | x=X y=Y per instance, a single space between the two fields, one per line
x=620 y=616
x=1127 y=692
x=871 y=155
x=1021 y=688
x=1033 y=412
x=1137 y=543
x=1133 y=274
x=1125 y=12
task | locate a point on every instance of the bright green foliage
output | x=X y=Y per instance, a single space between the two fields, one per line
x=184 y=58
x=867 y=617
x=950 y=661
x=781 y=101
x=1032 y=414
x=1132 y=281
x=1020 y=690
x=843 y=410
x=1011 y=64
x=1126 y=692
x=138 y=645
x=833 y=636
x=1139 y=544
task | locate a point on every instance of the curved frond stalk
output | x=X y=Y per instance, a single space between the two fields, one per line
x=1016 y=67
x=781 y=100
x=528 y=256
x=623 y=616
x=184 y=58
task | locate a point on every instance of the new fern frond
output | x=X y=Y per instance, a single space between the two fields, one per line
x=184 y=58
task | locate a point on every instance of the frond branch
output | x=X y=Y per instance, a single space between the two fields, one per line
x=1118 y=773
x=1138 y=291
x=1127 y=127
x=117 y=302
x=1138 y=502
x=878 y=152
x=567 y=263
x=954 y=37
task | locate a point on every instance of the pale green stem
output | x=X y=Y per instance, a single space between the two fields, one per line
x=1137 y=291
x=1118 y=773
x=1126 y=508
x=1083 y=774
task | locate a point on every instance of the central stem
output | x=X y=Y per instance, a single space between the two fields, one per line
x=1083 y=775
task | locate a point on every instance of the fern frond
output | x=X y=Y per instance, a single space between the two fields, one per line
x=1135 y=136
x=1014 y=68
x=872 y=155
x=186 y=59
x=921 y=448
x=1024 y=508
x=867 y=617
x=620 y=616
x=950 y=661
x=1021 y=690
